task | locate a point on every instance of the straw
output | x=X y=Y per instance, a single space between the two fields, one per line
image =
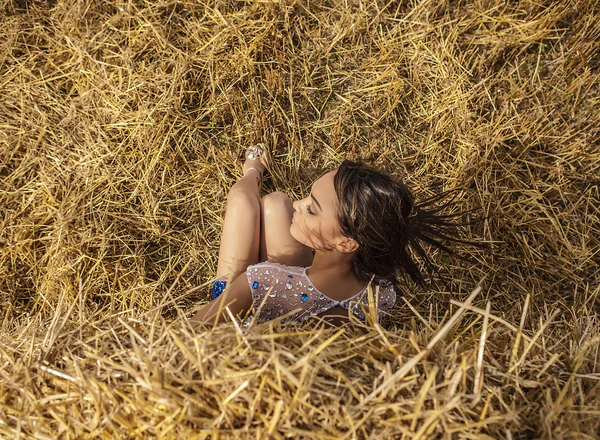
x=122 y=127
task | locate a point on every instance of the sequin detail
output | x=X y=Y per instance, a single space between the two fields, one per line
x=217 y=289
x=246 y=322
x=304 y=297
x=288 y=285
x=255 y=284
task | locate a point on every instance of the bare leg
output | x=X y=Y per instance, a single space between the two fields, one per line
x=240 y=237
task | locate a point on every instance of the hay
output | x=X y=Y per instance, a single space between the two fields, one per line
x=121 y=129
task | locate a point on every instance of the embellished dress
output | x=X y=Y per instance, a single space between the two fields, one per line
x=278 y=290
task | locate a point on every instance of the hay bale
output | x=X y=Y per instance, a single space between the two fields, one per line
x=121 y=129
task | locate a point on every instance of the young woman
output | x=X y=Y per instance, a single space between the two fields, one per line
x=362 y=224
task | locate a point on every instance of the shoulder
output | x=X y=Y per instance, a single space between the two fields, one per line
x=382 y=292
x=381 y=296
x=387 y=295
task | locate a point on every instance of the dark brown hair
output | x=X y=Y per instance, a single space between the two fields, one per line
x=380 y=213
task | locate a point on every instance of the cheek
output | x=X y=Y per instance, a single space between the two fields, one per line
x=329 y=229
x=311 y=231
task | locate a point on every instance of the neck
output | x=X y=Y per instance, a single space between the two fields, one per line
x=332 y=262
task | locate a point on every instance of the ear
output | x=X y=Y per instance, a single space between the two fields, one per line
x=347 y=245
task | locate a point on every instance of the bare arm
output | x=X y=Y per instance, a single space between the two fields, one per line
x=237 y=297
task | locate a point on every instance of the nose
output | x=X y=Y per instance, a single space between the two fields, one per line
x=295 y=205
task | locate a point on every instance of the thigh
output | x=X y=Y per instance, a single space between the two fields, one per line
x=276 y=242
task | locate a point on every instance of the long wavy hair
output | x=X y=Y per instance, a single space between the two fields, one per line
x=381 y=214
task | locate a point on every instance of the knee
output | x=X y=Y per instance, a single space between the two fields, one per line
x=274 y=202
x=243 y=200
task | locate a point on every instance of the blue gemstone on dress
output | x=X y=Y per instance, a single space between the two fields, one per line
x=217 y=289
x=255 y=284
x=304 y=297
x=290 y=276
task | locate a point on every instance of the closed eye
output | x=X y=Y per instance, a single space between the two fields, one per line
x=309 y=210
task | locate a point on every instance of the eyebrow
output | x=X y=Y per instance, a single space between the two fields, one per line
x=317 y=202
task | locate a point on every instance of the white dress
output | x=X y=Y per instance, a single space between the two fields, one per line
x=278 y=289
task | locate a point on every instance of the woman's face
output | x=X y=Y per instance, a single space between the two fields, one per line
x=315 y=223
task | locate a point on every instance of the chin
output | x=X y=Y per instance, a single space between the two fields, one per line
x=294 y=234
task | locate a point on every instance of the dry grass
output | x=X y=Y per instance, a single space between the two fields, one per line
x=121 y=129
